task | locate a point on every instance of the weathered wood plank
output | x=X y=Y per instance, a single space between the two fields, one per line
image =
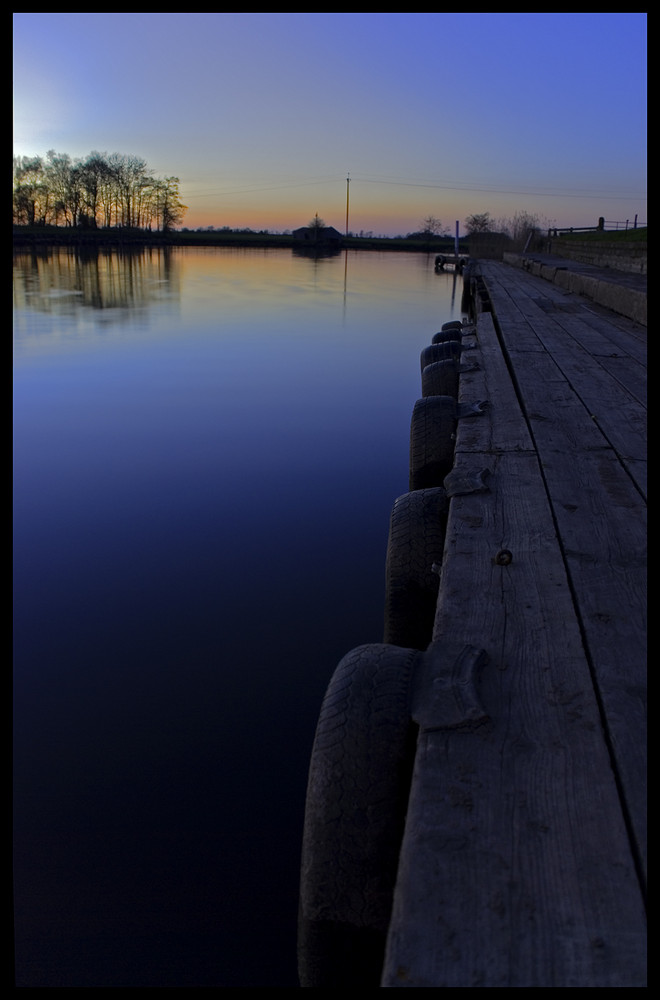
x=597 y=399
x=619 y=414
x=601 y=335
x=623 y=333
x=517 y=867
x=601 y=332
x=601 y=520
x=630 y=374
x=620 y=331
x=489 y=381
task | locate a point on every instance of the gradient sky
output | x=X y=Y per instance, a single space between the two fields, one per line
x=263 y=116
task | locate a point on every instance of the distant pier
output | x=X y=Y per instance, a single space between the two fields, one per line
x=458 y=261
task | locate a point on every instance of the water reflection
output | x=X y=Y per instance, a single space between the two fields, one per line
x=208 y=444
x=62 y=281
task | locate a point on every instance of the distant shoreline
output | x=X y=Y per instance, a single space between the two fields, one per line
x=33 y=236
x=41 y=237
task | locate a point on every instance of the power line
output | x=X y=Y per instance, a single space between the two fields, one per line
x=454 y=186
x=548 y=193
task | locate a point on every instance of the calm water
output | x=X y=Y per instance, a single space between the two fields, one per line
x=208 y=444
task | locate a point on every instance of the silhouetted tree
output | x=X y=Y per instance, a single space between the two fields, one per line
x=93 y=178
x=168 y=207
x=519 y=227
x=64 y=186
x=31 y=193
x=104 y=190
x=432 y=227
x=479 y=223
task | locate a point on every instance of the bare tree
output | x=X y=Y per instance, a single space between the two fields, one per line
x=93 y=174
x=31 y=194
x=479 y=223
x=115 y=190
x=432 y=227
x=520 y=227
x=63 y=186
x=168 y=208
x=131 y=180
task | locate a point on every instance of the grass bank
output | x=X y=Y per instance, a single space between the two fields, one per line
x=603 y=236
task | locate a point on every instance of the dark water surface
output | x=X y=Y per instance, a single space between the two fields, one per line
x=208 y=444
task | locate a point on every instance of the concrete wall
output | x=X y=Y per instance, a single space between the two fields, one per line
x=630 y=257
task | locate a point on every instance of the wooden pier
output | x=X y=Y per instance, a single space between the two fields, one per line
x=523 y=858
x=524 y=855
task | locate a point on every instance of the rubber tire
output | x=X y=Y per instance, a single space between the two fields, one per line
x=440 y=352
x=440 y=379
x=432 y=441
x=418 y=526
x=446 y=336
x=357 y=797
x=453 y=324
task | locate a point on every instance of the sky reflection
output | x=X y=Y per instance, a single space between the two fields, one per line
x=203 y=483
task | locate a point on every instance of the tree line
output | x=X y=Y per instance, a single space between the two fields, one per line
x=515 y=228
x=98 y=191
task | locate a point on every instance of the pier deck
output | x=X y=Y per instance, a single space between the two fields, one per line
x=524 y=855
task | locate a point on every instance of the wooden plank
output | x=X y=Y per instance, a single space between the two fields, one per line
x=602 y=334
x=601 y=518
x=516 y=868
x=624 y=333
x=619 y=414
x=599 y=399
x=505 y=429
x=601 y=521
x=596 y=341
x=618 y=343
x=631 y=375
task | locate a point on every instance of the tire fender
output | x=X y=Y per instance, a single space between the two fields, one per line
x=357 y=796
x=440 y=379
x=432 y=441
x=418 y=526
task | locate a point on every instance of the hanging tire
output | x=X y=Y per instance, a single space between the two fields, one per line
x=357 y=796
x=440 y=379
x=440 y=352
x=453 y=324
x=418 y=525
x=446 y=336
x=432 y=438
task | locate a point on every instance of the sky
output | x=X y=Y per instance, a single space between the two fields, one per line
x=270 y=119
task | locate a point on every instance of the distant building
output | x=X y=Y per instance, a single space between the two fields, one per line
x=318 y=235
